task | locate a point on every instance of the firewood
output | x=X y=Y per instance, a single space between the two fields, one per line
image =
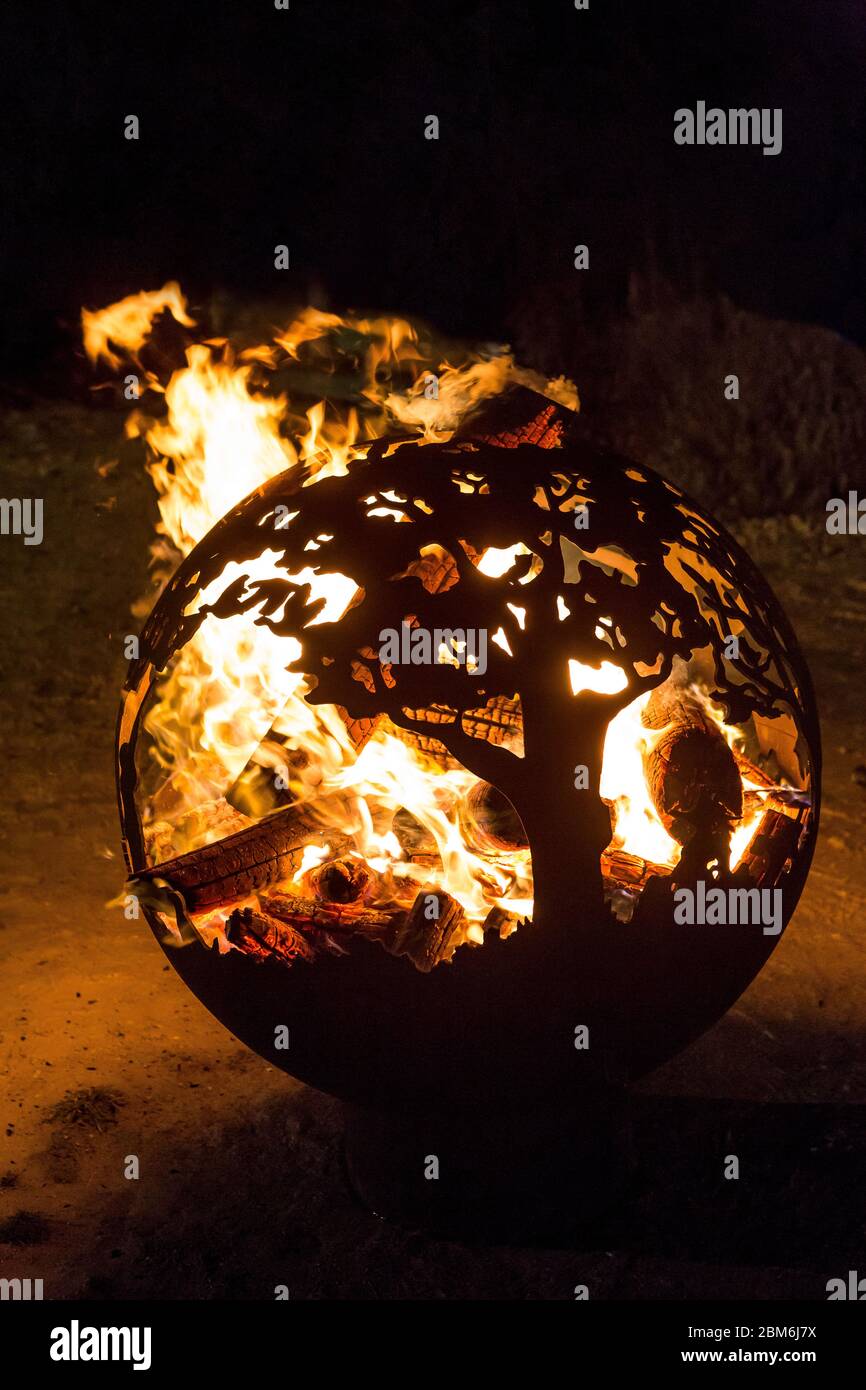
x=264 y=784
x=427 y=861
x=212 y=819
x=499 y=721
x=436 y=569
x=415 y=838
x=360 y=731
x=489 y=822
x=498 y=919
x=340 y=881
x=691 y=773
x=233 y=868
x=431 y=749
x=269 y=779
x=623 y=870
x=261 y=936
x=771 y=850
x=752 y=771
x=430 y=932
x=300 y=912
x=517 y=416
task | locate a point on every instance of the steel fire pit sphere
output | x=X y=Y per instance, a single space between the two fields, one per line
x=540 y=797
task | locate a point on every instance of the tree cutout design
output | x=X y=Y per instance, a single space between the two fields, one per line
x=610 y=565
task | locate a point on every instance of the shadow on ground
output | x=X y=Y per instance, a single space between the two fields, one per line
x=266 y=1202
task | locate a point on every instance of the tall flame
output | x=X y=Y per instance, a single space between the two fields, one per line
x=127 y=324
x=224 y=432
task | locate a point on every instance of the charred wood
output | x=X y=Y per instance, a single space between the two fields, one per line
x=430 y=932
x=338 y=881
x=691 y=773
x=262 y=936
x=301 y=912
x=243 y=863
x=489 y=822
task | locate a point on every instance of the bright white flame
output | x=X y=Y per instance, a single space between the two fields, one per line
x=637 y=827
x=494 y=563
x=607 y=679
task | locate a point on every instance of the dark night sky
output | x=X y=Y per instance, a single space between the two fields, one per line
x=306 y=127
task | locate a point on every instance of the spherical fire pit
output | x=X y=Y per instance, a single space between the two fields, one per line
x=540 y=799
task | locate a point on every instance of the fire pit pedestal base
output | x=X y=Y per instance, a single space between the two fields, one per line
x=514 y=1178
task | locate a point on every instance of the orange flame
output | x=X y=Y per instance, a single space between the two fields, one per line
x=224 y=432
x=127 y=324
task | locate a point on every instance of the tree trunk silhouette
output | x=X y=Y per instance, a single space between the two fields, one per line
x=568 y=826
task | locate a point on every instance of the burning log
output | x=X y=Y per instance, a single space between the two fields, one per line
x=239 y=865
x=288 y=927
x=436 y=568
x=261 y=936
x=431 y=748
x=415 y=839
x=490 y=823
x=623 y=870
x=771 y=850
x=692 y=775
x=265 y=783
x=270 y=778
x=430 y=932
x=499 y=721
x=302 y=913
x=500 y=921
x=210 y=821
x=518 y=416
x=340 y=881
x=360 y=731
